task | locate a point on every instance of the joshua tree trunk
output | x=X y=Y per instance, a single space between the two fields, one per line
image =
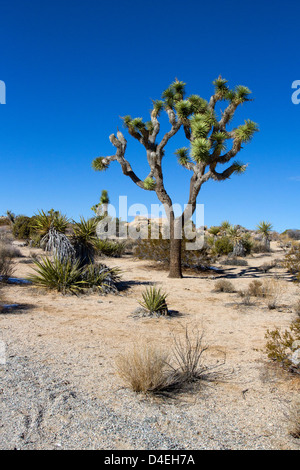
x=175 y=250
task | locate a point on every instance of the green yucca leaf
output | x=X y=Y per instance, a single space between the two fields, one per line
x=200 y=150
x=179 y=87
x=85 y=230
x=230 y=95
x=245 y=132
x=127 y=120
x=61 y=276
x=98 y=164
x=242 y=93
x=137 y=123
x=200 y=126
x=183 y=109
x=239 y=167
x=221 y=88
x=149 y=127
x=183 y=155
x=264 y=227
x=158 y=106
x=44 y=221
x=218 y=141
x=199 y=105
x=149 y=183
x=154 y=300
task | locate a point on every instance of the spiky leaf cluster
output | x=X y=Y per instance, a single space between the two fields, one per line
x=183 y=156
x=245 y=132
x=99 y=165
x=149 y=183
x=200 y=150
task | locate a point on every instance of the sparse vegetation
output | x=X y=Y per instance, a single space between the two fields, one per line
x=292 y=260
x=109 y=248
x=154 y=301
x=281 y=346
x=224 y=286
x=294 y=419
x=7 y=265
x=149 y=369
x=71 y=277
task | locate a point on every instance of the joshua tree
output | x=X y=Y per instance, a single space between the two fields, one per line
x=104 y=201
x=206 y=133
x=265 y=229
x=235 y=236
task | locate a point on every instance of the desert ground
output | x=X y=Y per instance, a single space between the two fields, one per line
x=59 y=388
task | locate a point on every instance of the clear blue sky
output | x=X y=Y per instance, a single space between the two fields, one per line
x=72 y=67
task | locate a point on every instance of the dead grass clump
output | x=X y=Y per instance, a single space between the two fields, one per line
x=255 y=289
x=270 y=290
x=224 y=286
x=150 y=370
x=273 y=291
x=143 y=369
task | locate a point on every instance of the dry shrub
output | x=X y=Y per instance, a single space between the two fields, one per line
x=273 y=290
x=292 y=260
x=297 y=307
x=270 y=290
x=7 y=265
x=259 y=247
x=294 y=419
x=224 y=286
x=148 y=369
x=256 y=289
x=143 y=368
x=281 y=346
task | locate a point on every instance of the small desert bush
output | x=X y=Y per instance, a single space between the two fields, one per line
x=149 y=369
x=270 y=290
x=259 y=247
x=273 y=290
x=256 y=288
x=224 y=286
x=4 y=221
x=292 y=260
x=294 y=419
x=22 y=228
x=222 y=246
x=235 y=262
x=109 y=248
x=281 y=345
x=144 y=369
x=154 y=301
x=7 y=265
x=10 y=250
x=71 y=277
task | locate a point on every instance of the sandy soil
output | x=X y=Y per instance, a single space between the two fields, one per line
x=55 y=340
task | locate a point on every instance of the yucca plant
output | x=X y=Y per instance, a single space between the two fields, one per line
x=62 y=276
x=84 y=238
x=265 y=229
x=71 y=277
x=43 y=221
x=100 y=277
x=109 y=248
x=154 y=300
